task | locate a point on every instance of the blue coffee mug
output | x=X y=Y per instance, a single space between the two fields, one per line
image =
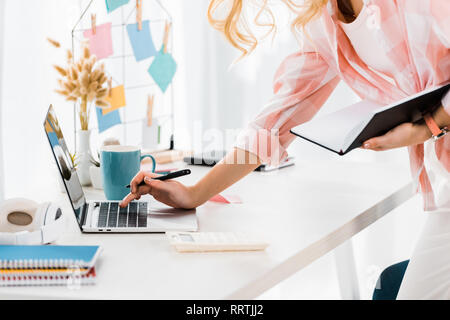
x=119 y=165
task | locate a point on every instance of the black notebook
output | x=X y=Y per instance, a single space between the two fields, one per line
x=347 y=129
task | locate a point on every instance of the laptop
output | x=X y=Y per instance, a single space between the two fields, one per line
x=107 y=216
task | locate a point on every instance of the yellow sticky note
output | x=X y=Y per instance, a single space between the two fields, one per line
x=116 y=100
x=48 y=127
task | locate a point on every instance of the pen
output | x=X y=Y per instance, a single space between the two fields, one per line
x=172 y=175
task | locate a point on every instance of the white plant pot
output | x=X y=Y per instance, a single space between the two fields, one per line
x=62 y=188
x=96 y=177
x=83 y=157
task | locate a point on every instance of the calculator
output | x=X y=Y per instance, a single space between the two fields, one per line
x=215 y=241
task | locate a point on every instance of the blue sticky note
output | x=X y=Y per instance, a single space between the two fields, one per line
x=163 y=69
x=112 y=5
x=108 y=120
x=53 y=138
x=141 y=41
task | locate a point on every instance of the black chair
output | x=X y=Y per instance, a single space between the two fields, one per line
x=389 y=282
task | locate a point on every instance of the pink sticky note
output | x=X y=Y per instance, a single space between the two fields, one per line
x=226 y=199
x=218 y=198
x=100 y=43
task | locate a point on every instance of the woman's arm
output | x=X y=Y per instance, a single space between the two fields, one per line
x=408 y=134
x=302 y=85
x=235 y=166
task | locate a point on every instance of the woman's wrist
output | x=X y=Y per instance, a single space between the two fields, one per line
x=435 y=121
x=222 y=176
x=441 y=117
x=197 y=195
x=423 y=131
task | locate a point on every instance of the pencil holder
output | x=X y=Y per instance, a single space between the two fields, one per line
x=151 y=135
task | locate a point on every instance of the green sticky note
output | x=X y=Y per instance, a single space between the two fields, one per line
x=112 y=5
x=163 y=69
x=159 y=134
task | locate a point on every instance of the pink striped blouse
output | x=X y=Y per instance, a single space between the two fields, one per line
x=415 y=35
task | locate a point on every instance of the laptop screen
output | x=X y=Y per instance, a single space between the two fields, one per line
x=65 y=164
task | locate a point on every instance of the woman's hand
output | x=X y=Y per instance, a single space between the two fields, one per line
x=171 y=192
x=175 y=194
x=406 y=134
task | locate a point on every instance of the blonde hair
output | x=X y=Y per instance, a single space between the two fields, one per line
x=235 y=26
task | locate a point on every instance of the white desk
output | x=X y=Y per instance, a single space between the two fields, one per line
x=306 y=211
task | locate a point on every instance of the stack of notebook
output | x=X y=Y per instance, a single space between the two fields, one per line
x=48 y=265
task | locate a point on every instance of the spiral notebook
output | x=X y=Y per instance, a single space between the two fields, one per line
x=47 y=265
x=50 y=279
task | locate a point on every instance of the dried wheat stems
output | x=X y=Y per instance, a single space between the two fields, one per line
x=83 y=79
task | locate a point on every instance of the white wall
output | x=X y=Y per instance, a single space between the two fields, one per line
x=29 y=81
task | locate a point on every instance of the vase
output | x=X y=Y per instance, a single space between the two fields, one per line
x=84 y=157
x=96 y=177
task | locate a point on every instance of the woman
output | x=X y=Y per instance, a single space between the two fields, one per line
x=384 y=50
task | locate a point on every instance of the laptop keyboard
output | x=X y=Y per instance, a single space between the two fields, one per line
x=112 y=216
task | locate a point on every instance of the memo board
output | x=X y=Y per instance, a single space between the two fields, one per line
x=124 y=70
